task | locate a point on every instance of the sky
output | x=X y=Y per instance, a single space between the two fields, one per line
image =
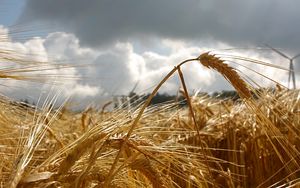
x=10 y=11
x=129 y=42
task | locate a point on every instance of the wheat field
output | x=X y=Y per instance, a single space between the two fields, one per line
x=250 y=142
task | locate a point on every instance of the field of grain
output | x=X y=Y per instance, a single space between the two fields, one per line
x=250 y=142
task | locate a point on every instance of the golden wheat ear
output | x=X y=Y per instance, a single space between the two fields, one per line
x=213 y=62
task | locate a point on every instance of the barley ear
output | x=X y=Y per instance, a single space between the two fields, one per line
x=213 y=62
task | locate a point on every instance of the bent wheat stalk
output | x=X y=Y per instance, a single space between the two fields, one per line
x=206 y=60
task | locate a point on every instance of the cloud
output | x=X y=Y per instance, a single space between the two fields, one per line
x=133 y=41
x=85 y=90
x=37 y=54
x=115 y=70
x=238 y=23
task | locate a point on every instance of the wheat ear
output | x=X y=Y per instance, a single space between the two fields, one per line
x=213 y=62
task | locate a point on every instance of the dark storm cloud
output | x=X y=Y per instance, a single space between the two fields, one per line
x=98 y=22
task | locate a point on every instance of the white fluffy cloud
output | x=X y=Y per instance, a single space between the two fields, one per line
x=42 y=55
x=115 y=70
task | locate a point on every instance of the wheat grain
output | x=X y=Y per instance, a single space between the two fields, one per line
x=77 y=152
x=144 y=166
